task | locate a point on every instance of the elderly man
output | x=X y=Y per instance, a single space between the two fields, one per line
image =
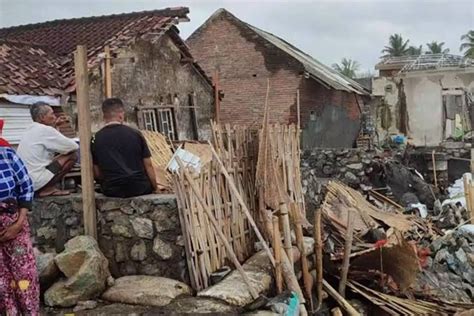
x=47 y=154
x=122 y=160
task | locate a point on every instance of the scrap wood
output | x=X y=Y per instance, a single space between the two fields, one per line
x=347 y=253
x=161 y=154
x=367 y=217
x=399 y=261
x=340 y=300
x=318 y=253
x=201 y=150
x=402 y=306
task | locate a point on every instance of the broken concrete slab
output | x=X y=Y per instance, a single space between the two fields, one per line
x=259 y=270
x=146 y=290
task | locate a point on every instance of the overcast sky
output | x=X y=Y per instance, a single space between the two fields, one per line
x=327 y=30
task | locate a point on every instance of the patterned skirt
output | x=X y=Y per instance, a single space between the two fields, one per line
x=19 y=285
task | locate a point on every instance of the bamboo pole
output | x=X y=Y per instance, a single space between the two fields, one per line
x=434 y=169
x=341 y=300
x=83 y=111
x=307 y=278
x=214 y=223
x=277 y=252
x=347 y=251
x=318 y=252
x=246 y=211
x=467 y=192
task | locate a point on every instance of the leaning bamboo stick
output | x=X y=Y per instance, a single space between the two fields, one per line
x=318 y=252
x=434 y=169
x=277 y=250
x=290 y=279
x=234 y=190
x=347 y=252
x=341 y=300
x=307 y=278
x=214 y=223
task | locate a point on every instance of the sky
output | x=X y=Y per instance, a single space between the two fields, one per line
x=327 y=30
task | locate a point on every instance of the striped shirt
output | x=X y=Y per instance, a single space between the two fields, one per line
x=14 y=180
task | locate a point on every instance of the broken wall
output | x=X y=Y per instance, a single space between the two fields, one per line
x=412 y=104
x=147 y=75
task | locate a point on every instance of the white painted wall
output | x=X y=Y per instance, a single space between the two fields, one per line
x=423 y=90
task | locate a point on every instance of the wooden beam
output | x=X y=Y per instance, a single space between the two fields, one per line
x=83 y=110
x=108 y=75
x=215 y=80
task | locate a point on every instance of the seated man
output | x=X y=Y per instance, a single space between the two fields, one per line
x=122 y=160
x=47 y=154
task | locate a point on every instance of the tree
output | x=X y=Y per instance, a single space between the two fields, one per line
x=436 y=48
x=348 y=67
x=397 y=46
x=468 y=44
x=414 y=51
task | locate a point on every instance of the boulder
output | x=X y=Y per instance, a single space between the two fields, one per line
x=86 y=271
x=48 y=272
x=145 y=290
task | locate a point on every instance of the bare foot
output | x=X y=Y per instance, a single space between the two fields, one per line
x=53 y=192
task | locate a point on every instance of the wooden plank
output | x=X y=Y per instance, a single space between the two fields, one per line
x=84 y=123
x=108 y=75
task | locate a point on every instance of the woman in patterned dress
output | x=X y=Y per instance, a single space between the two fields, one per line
x=19 y=286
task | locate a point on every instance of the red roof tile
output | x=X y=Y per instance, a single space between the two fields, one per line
x=62 y=37
x=26 y=69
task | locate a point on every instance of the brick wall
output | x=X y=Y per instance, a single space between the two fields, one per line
x=244 y=61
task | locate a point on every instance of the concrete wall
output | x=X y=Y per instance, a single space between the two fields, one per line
x=139 y=235
x=151 y=74
x=415 y=103
x=245 y=61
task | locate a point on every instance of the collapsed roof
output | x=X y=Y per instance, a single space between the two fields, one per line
x=424 y=62
x=49 y=46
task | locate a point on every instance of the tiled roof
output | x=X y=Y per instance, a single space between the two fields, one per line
x=29 y=69
x=62 y=36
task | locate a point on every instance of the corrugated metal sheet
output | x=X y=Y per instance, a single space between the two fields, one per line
x=314 y=68
x=17 y=119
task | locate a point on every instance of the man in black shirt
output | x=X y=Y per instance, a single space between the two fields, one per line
x=122 y=163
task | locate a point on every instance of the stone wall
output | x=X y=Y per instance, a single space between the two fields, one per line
x=319 y=165
x=139 y=235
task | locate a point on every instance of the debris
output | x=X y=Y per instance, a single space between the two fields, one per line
x=86 y=270
x=145 y=290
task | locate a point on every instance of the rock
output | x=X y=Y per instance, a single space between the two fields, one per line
x=138 y=252
x=86 y=270
x=355 y=166
x=145 y=290
x=110 y=281
x=461 y=256
x=120 y=252
x=48 y=272
x=351 y=178
x=162 y=249
x=46 y=232
x=143 y=227
x=195 y=306
x=409 y=198
x=85 y=305
x=121 y=230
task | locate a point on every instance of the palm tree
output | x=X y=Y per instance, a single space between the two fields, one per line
x=348 y=67
x=414 y=51
x=468 y=44
x=397 y=46
x=436 y=48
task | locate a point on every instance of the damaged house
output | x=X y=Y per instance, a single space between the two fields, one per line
x=151 y=70
x=241 y=57
x=428 y=98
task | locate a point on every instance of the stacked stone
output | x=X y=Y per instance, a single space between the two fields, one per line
x=138 y=235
